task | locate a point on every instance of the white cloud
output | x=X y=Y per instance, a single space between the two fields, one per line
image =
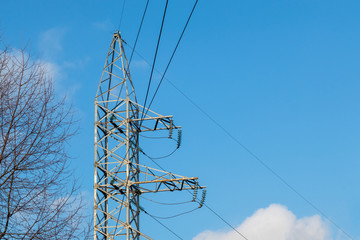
x=51 y=47
x=275 y=222
x=104 y=25
x=76 y=64
x=140 y=64
x=50 y=42
x=52 y=70
x=18 y=58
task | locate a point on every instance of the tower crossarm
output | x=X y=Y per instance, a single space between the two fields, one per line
x=153 y=180
x=156 y=123
x=167 y=185
x=149 y=120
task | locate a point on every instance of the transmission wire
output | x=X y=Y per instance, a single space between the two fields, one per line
x=122 y=13
x=251 y=153
x=156 y=137
x=164 y=226
x=156 y=163
x=220 y=126
x=138 y=33
x=162 y=203
x=213 y=211
x=225 y=221
x=153 y=64
x=271 y=170
x=177 y=215
x=163 y=156
x=182 y=33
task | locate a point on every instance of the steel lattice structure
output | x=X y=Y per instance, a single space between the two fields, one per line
x=119 y=178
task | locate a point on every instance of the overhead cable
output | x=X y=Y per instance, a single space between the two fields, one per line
x=156 y=137
x=164 y=226
x=177 y=215
x=162 y=203
x=168 y=155
x=144 y=211
x=178 y=143
x=237 y=231
x=172 y=55
x=201 y=203
x=154 y=61
x=138 y=33
x=271 y=170
x=122 y=13
x=252 y=154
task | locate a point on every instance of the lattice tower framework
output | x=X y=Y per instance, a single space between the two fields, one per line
x=119 y=177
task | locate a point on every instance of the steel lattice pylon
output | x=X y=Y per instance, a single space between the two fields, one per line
x=119 y=178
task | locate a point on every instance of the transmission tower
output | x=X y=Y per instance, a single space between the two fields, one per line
x=119 y=177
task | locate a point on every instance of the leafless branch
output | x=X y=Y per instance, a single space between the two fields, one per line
x=38 y=198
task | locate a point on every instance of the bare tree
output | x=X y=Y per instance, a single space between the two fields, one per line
x=38 y=198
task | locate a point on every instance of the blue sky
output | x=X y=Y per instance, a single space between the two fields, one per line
x=281 y=76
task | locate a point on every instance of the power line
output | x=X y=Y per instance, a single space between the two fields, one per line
x=164 y=226
x=122 y=13
x=156 y=163
x=177 y=215
x=182 y=33
x=162 y=203
x=160 y=157
x=156 y=137
x=225 y=221
x=213 y=211
x=251 y=153
x=153 y=64
x=261 y=162
x=138 y=33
